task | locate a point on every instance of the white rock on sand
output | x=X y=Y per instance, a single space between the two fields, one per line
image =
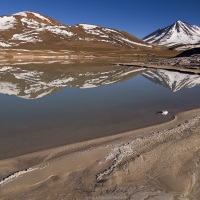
x=165 y=112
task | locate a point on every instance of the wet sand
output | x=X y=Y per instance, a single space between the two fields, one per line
x=158 y=162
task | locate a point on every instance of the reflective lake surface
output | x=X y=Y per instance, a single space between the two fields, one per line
x=44 y=106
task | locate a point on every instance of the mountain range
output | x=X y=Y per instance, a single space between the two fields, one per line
x=30 y=29
x=179 y=33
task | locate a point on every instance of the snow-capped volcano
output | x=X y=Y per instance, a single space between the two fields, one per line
x=175 y=81
x=33 y=30
x=179 y=33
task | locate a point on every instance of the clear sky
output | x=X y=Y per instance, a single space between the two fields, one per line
x=138 y=17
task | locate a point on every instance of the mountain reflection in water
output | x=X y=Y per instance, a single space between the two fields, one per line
x=36 y=81
x=175 y=81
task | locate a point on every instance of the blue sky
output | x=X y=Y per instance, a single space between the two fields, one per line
x=138 y=17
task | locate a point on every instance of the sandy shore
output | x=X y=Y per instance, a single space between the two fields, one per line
x=154 y=163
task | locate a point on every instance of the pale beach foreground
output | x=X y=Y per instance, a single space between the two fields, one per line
x=155 y=163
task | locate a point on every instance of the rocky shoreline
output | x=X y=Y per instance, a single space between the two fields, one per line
x=192 y=62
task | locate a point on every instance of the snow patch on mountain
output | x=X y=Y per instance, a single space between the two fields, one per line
x=58 y=30
x=3 y=44
x=37 y=15
x=136 y=43
x=110 y=30
x=23 y=14
x=42 y=17
x=94 y=30
x=27 y=36
x=31 y=23
x=7 y=22
x=88 y=26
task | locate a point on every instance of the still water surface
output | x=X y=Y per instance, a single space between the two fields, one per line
x=47 y=106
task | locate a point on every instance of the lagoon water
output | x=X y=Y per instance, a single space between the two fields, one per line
x=44 y=106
